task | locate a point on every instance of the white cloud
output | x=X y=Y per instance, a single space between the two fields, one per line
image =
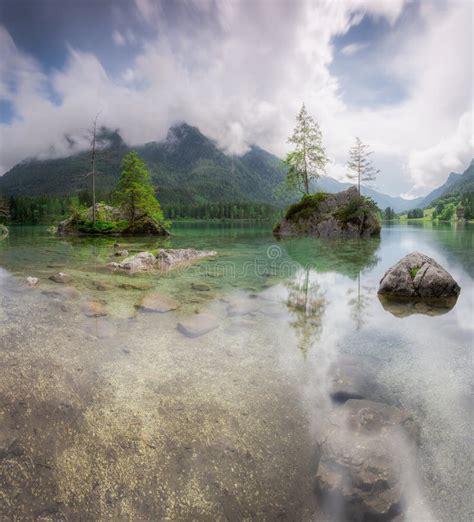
x=243 y=79
x=353 y=48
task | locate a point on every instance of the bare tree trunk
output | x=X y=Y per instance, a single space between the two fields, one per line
x=93 y=157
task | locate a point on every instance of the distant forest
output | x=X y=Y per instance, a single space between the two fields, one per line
x=50 y=209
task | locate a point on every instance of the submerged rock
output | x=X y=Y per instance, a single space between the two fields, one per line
x=200 y=287
x=138 y=263
x=102 y=329
x=61 y=277
x=366 y=447
x=351 y=378
x=239 y=307
x=32 y=281
x=94 y=309
x=157 y=303
x=418 y=276
x=170 y=257
x=165 y=259
x=197 y=324
x=345 y=214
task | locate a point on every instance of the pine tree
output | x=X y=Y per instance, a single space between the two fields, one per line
x=135 y=193
x=360 y=165
x=308 y=158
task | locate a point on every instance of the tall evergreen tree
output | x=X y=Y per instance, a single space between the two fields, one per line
x=308 y=158
x=135 y=192
x=359 y=164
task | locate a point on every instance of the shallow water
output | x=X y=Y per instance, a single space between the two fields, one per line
x=124 y=417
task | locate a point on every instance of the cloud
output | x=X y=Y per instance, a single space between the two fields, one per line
x=240 y=71
x=118 y=38
x=351 y=49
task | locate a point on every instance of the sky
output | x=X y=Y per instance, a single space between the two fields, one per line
x=396 y=73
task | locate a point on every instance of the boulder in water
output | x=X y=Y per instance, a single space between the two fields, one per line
x=345 y=214
x=165 y=259
x=138 y=263
x=168 y=258
x=418 y=276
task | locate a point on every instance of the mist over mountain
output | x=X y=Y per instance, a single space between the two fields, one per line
x=187 y=168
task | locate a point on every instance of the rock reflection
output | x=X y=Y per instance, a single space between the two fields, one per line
x=404 y=308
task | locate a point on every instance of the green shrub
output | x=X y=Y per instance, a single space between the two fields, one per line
x=101 y=227
x=356 y=211
x=308 y=204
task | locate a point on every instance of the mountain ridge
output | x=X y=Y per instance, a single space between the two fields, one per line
x=187 y=168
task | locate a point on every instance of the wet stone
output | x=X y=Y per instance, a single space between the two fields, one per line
x=61 y=277
x=197 y=324
x=157 y=303
x=94 y=309
x=200 y=287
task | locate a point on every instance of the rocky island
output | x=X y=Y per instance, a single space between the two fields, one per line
x=136 y=210
x=110 y=221
x=346 y=214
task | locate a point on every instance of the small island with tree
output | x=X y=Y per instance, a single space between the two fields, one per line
x=136 y=210
x=346 y=214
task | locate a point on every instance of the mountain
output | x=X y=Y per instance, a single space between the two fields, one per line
x=187 y=167
x=462 y=186
x=436 y=193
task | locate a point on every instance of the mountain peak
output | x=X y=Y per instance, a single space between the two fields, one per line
x=180 y=131
x=453 y=176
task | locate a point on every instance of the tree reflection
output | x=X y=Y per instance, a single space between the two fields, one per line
x=306 y=303
x=359 y=300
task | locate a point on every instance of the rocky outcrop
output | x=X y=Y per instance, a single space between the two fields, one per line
x=345 y=214
x=365 y=448
x=418 y=276
x=164 y=259
x=116 y=224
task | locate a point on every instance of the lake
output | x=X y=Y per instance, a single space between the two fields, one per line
x=123 y=417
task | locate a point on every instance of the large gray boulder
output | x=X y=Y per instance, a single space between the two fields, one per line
x=345 y=214
x=418 y=276
x=365 y=448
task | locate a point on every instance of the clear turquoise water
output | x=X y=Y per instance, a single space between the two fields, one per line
x=159 y=425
